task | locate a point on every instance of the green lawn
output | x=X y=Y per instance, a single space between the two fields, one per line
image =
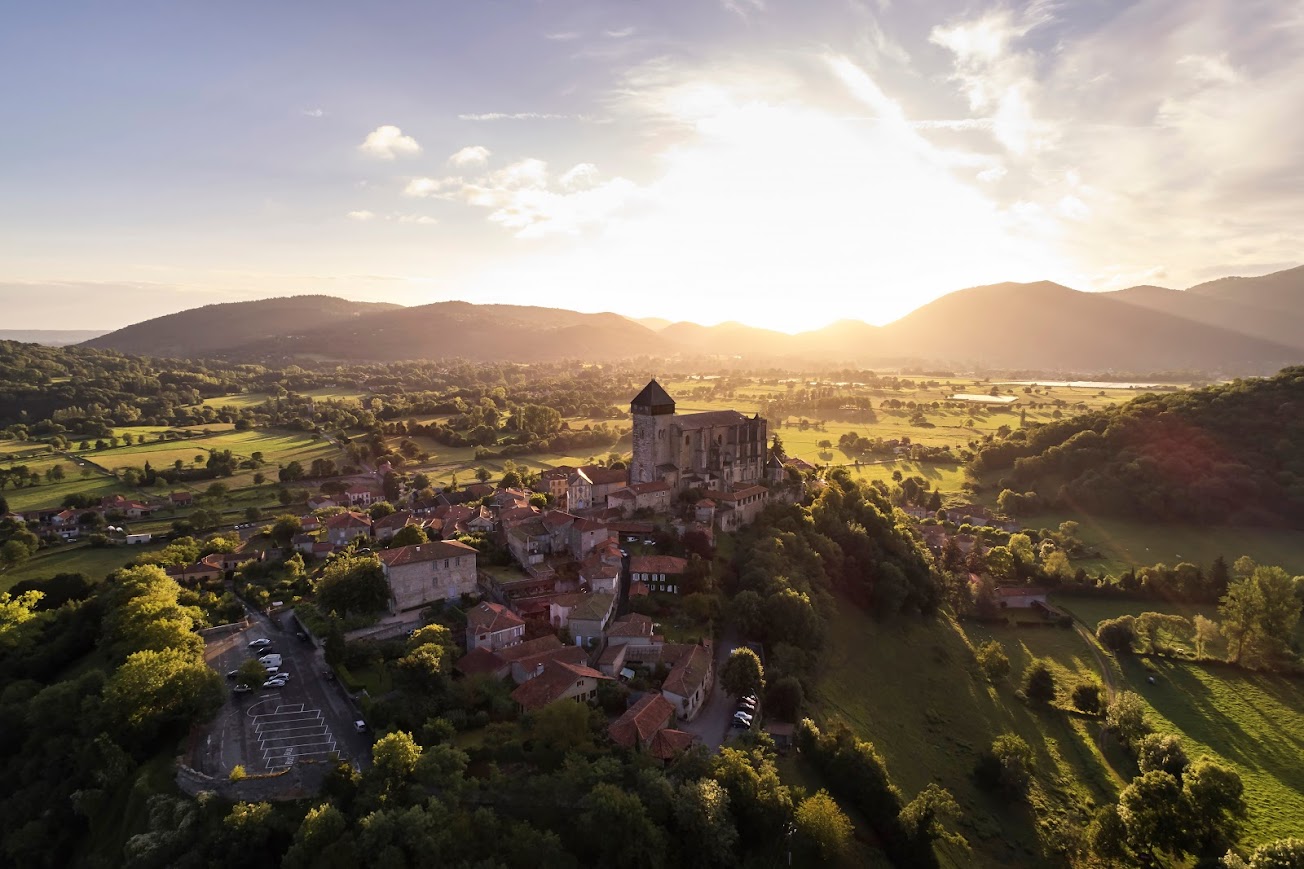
x=1253 y=722
x=75 y=558
x=912 y=689
x=52 y=495
x=1125 y=543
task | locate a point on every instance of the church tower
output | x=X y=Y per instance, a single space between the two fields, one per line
x=653 y=411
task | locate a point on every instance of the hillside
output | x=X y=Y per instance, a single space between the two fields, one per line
x=1281 y=291
x=216 y=329
x=463 y=330
x=1224 y=455
x=1246 y=316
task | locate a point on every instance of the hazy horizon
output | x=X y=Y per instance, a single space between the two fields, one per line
x=745 y=160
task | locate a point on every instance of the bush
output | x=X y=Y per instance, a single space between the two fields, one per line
x=1039 y=683
x=1086 y=698
x=993 y=661
x=1006 y=767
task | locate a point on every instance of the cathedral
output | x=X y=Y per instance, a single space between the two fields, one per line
x=720 y=449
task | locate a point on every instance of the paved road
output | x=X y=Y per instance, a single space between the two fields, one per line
x=232 y=738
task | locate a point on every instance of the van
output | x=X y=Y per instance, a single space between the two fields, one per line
x=273 y=660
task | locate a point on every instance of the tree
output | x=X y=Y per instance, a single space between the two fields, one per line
x=1281 y=854
x=252 y=514
x=1215 y=797
x=1107 y=836
x=1007 y=766
x=1162 y=751
x=353 y=584
x=285 y=528
x=1118 y=634
x=317 y=839
x=1280 y=608
x=251 y=673
x=785 y=697
x=13 y=553
x=922 y=818
x=259 y=478
x=701 y=810
x=483 y=474
x=1086 y=697
x=742 y=672
x=1153 y=810
x=1039 y=682
x=823 y=827
x=993 y=661
x=410 y=535
x=216 y=491
x=641 y=843
x=1206 y=633
x=157 y=691
x=1126 y=718
x=395 y=756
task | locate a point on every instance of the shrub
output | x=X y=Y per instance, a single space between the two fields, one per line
x=238 y=772
x=993 y=661
x=1006 y=767
x=1039 y=683
x=1086 y=698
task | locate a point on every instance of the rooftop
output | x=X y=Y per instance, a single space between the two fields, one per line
x=425 y=552
x=491 y=617
x=642 y=720
x=657 y=564
x=552 y=684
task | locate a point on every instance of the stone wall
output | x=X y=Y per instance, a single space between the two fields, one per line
x=303 y=779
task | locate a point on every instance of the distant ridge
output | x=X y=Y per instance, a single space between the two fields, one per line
x=1229 y=326
x=50 y=337
x=215 y=329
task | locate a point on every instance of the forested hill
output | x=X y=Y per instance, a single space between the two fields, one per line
x=1230 y=454
x=212 y=329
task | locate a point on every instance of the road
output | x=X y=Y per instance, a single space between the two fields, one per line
x=234 y=736
x=711 y=725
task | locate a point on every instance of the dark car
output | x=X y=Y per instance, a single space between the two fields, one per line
x=741 y=724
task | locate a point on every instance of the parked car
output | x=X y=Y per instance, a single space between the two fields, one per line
x=749 y=698
x=741 y=724
x=749 y=705
x=328 y=675
x=242 y=689
x=260 y=643
x=360 y=726
x=274 y=683
x=271 y=670
x=742 y=716
x=231 y=674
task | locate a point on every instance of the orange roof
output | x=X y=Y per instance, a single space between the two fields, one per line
x=425 y=552
x=557 y=678
x=348 y=520
x=631 y=625
x=478 y=661
x=492 y=617
x=657 y=564
x=530 y=647
x=641 y=721
x=668 y=743
x=689 y=674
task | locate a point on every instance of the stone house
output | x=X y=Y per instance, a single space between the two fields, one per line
x=342 y=528
x=585 y=615
x=429 y=572
x=639 y=725
x=493 y=626
x=689 y=682
x=660 y=572
x=559 y=681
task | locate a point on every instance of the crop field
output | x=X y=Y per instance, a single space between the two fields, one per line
x=913 y=690
x=76 y=558
x=1126 y=543
x=10 y=449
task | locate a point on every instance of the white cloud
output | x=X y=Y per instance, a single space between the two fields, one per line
x=521 y=116
x=313 y=113
x=471 y=155
x=742 y=8
x=619 y=34
x=1208 y=69
x=430 y=187
x=562 y=36
x=578 y=176
x=361 y=215
x=387 y=142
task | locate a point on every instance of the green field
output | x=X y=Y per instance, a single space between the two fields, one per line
x=75 y=558
x=12 y=449
x=52 y=495
x=1126 y=543
x=912 y=689
x=1253 y=722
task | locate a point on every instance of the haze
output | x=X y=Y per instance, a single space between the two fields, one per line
x=768 y=162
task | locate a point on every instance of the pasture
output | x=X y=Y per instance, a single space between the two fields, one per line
x=913 y=689
x=1126 y=543
x=95 y=563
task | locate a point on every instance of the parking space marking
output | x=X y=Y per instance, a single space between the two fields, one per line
x=292 y=733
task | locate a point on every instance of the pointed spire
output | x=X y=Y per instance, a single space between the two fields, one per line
x=653 y=399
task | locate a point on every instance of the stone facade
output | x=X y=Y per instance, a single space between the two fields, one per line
x=420 y=575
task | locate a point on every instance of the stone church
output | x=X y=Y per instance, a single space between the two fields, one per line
x=719 y=449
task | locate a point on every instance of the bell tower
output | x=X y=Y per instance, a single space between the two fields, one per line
x=653 y=410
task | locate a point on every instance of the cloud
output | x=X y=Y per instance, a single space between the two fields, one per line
x=471 y=155
x=313 y=113
x=387 y=142
x=563 y=36
x=619 y=34
x=578 y=176
x=743 y=8
x=361 y=215
x=393 y=217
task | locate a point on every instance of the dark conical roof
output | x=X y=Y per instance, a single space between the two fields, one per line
x=653 y=395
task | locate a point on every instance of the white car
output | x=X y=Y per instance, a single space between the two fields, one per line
x=261 y=642
x=275 y=682
x=742 y=716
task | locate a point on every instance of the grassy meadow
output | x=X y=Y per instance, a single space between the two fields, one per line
x=96 y=563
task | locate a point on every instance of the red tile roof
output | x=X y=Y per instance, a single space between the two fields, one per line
x=690 y=673
x=631 y=625
x=649 y=488
x=605 y=476
x=479 y=661
x=641 y=721
x=536 y=646
x=492 y=617
x=425 y=552
x=657 y=564
x=557 y=678
x=668 y=743
x=349 y=520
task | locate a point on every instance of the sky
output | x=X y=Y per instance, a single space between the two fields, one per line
x=781 y=163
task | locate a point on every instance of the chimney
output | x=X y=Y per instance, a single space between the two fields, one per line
x=538 y=670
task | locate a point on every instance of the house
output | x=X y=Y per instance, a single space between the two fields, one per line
x=689 y=682
x=428 y=572
x=197 y=572
x=480 y=662
x=704 y=511
x=504 y=499
x=362 y=496
x=670 y=743
x=527 y=659
x=509 y=517
x=321 y=502
x=492 y=626
x=612 y=660
x=126 y=506
x=579 y=491
x=660 y=572
x=585 y=615
x=482 y=521
x=585 y=536
x=309 y=524
x=638 y=633
x=65 y=519
x=734 y=509
x=303 y=543
x=228 y=561
x=600 y=571
x=182 y=499
x=558 y=681
x=641 y=722
x=529 y=542
x=137 y=539
x=342 y=528
x=386 y=527
x=1017 y=597
x=554 y=481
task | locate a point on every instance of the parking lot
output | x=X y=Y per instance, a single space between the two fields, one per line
x=267 y=729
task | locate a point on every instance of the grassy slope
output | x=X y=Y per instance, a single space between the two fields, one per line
x=80 y=558
x=913 y=691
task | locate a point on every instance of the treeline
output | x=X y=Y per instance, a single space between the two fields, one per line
x=1230 y=454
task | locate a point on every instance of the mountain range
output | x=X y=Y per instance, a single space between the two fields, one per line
x=1232 y=325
